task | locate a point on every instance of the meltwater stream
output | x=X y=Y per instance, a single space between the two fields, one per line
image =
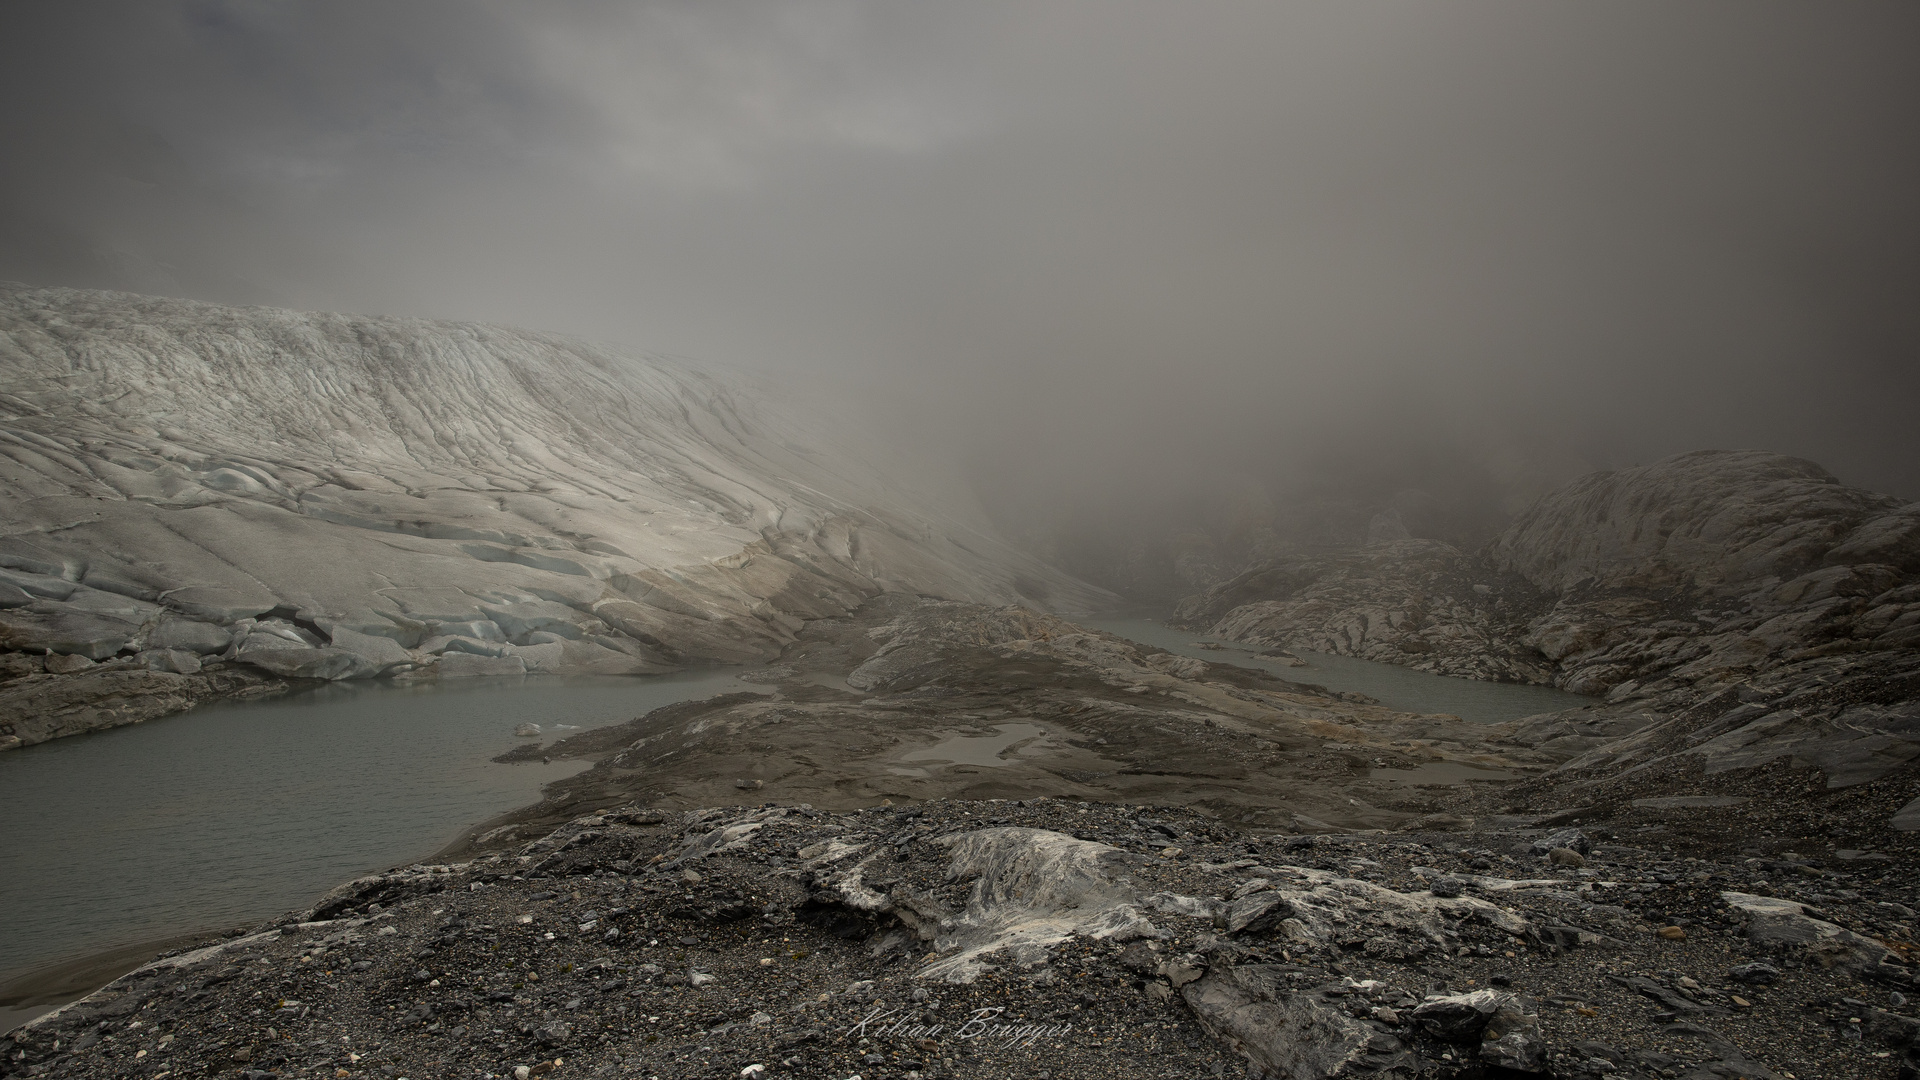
x=235 y=812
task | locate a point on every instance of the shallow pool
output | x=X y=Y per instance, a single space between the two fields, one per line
x=1393 y=686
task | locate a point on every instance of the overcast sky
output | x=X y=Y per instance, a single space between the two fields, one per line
x=1102 y=247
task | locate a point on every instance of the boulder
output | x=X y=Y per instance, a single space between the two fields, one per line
x=1512 y=1039
x=1571 y=839
x=467 y=666
x=95 y=637
x=291 y=660
x=1787 y=924
x=1459 y=1018
x=1287 y=1033
x=179 y=661
x=190 y=635
x=63 y=664
x=379 y=653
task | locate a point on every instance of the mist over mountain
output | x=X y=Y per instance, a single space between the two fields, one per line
x=1119 y=263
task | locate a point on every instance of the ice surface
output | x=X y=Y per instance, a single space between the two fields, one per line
x=458 y=489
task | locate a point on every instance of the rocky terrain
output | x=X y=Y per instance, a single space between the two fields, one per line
x=916 y=699
x=967 y=841
x=1732 y=608
x=202 y=501
x=1035 y=937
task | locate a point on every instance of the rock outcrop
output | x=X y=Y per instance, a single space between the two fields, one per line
x=1418 y=603
x=1731 y=608
x=328 y=497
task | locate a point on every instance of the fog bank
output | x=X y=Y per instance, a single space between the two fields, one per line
x=1131 y=267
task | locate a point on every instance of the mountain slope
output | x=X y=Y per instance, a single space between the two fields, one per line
x=329 y=496
x=1733 y=608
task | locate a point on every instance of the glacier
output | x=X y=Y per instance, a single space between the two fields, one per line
x=187 y=487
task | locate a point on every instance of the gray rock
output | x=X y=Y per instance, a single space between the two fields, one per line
x=41 y=707
x=1261 y=912
x=1292 y=1034
x=179 y=661
x=290 y=660
x=95 y=637
x=553 y=1034
x=1571 y=839
x=1373 y=603
x=1459 y=1017
x=15 y=665
x=37 y=586
x=1778 y=922
x=1690 y=802
x=1180 y=971
x=1892 y=1029
x=1694 y=593
x=379 y=653
x=1729 y=1060
x=1713 y=519
x=465 y=666
x=190 y=635
x=58 y=664
x=1023 y=878
x=1566 y=857
x=1512 y=1039
x=1754 y=974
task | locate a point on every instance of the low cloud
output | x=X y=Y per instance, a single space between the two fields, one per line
x=1105 y=256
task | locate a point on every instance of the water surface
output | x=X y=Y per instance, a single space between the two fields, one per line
x=239 y=811
x=983 y=750
x=1393 y=686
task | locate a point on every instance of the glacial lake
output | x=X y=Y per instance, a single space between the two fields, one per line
x=236 y=812
x=1395 y=687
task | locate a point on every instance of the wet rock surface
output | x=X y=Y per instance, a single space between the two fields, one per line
x=1021 y=937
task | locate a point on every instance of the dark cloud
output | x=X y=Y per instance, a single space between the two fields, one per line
x=1108 y=254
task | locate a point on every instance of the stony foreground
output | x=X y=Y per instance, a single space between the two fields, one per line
x=1036 y=938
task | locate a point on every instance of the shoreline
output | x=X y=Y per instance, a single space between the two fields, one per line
x=32 y=993
x=41 y=984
